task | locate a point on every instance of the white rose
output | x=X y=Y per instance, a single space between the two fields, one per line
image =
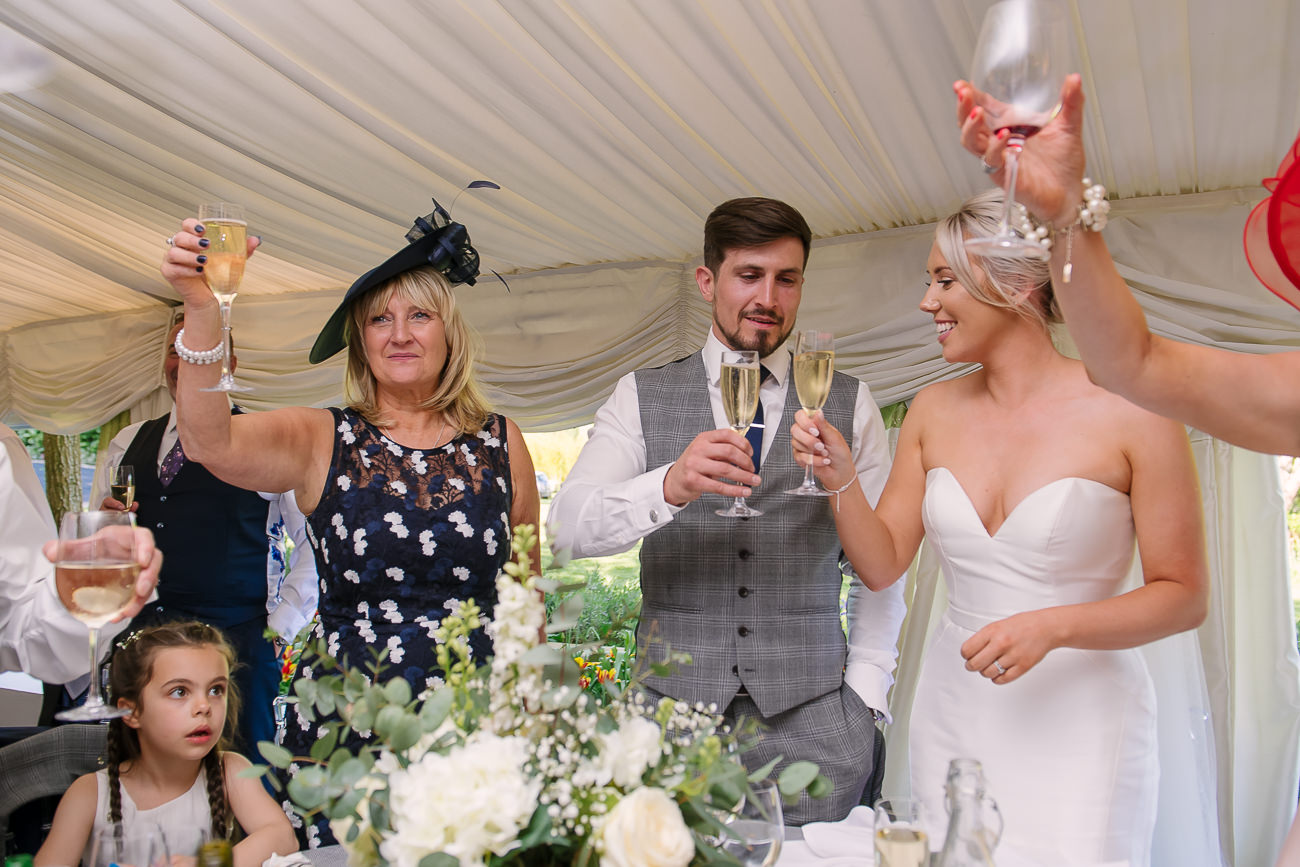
x=626 y=752
x=645 y=829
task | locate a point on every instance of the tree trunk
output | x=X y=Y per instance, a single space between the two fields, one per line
x=62 y=474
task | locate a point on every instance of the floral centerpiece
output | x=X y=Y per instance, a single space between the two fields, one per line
x=512 y=762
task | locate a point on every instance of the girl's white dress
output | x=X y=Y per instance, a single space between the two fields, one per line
x=178 y=818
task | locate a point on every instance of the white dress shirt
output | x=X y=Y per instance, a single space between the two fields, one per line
x=292 y=588
x=609 y=501
x=37 y=634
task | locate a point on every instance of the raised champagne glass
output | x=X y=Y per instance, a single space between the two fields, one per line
x=94 y=573
x=1019 y=66
x=227 y=232
x=739 y=383
x=814 y=364
x=121 y=484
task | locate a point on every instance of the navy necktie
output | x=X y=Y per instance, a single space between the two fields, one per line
x=755 y=432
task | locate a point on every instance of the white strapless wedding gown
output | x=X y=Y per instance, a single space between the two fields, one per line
x=1069 y=749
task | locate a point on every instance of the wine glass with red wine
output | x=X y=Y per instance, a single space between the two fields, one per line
x=1020 y=65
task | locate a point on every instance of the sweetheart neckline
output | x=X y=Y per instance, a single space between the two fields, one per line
x=1029 y=496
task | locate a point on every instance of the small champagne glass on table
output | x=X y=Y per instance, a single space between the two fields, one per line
x=94 y=573
x=739 y=385
x=227 y=232
x=814 y=365
x=142 y=845
x=900 y=838
x=753 y=831
x=1019 y=66
x=121 y=484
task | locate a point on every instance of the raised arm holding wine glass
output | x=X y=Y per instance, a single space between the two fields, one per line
x=416 y=461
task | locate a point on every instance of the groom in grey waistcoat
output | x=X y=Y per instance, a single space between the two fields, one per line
x=755 y=601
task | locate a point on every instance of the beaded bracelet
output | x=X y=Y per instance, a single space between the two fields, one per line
x=207 y=356
x=1094 y=212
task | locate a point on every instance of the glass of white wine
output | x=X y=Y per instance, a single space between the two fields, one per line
x=739 y=383
x=753 y=831
x=1019 y=66
x=226 y=229
x=94 y=573
x=121 y=484
x=814 y=365
x=901 y=840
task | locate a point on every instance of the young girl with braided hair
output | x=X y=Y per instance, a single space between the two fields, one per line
x=167 y=760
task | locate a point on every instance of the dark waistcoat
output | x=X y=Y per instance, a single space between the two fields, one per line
x=212 y=535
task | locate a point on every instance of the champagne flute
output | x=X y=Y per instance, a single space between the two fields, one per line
x=94 y=573
x=814 y=364
x=141 y=845
x=1019 y=66
x=121 y=484
x=227 y=233
x=900 y=836
x=739 y=385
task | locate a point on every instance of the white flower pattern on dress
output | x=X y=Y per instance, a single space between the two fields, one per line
x=403 y=536
x=397 y=525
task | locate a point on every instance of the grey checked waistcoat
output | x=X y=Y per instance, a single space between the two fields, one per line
x=753 y=601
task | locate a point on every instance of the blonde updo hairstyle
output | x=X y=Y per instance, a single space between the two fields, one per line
x=1021 y=285
x=458 y=394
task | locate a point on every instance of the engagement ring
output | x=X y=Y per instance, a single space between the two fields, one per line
x=999 y=667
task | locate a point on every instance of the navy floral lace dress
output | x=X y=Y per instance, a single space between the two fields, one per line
x=402 y=537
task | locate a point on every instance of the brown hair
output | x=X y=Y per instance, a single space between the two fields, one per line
x=129 y=673
x=458 y=394
x=1007 y=278
x=751 y=222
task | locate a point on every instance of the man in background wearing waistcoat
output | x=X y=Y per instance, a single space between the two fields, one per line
x=223 y=552
x=755 y=602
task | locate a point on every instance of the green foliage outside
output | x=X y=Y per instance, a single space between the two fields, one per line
x=31 y=438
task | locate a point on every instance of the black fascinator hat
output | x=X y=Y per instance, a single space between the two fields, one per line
x=435 y=241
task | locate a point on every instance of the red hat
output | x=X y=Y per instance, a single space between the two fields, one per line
x=1272 y=235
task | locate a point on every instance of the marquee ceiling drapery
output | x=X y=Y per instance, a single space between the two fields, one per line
x=613 y=128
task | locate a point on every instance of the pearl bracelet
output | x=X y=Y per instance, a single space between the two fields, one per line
x=207 y=356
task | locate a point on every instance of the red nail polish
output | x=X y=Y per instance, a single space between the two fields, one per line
x=1003 y=133
x=973 y=112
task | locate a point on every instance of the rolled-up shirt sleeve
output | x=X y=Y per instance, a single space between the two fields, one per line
x=874 y=618
x=609 y=500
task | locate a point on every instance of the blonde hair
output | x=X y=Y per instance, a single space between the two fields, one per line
x=458 y=394
x=1007 y=279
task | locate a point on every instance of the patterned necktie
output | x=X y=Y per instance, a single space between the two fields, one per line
x=755 y=432
x=171 y=464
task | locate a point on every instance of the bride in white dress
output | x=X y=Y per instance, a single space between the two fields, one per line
x=1031 y=484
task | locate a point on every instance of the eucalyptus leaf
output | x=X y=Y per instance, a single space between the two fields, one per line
x=275 y=754
x=764 y=772
x=323 y=747
x=387 y=718
x=406 y=732
x=439 y=859
x=796 y=777
x=542 y=654
x=435 y=710
x=398 y=691
x=566 y=614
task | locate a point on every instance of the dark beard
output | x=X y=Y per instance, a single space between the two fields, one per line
x=764 y=344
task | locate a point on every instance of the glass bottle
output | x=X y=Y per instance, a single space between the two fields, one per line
x=215 y=853
x=974 y=823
